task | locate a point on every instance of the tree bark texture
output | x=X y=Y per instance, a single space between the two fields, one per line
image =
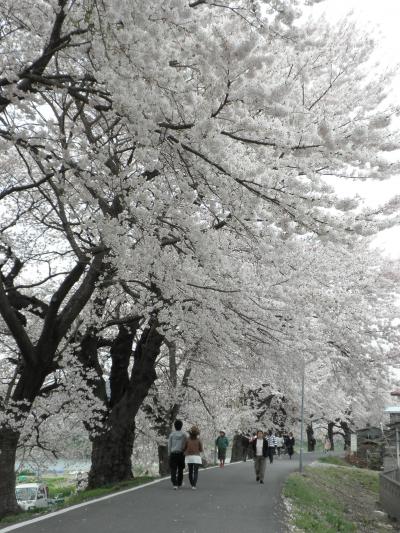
x=310 y=438
x=28 y=387
x=346 y=434
x=111 y=455
x=163 y=460
x=237 y=448
x=37 y=358
x=330 y=435
x=8 y=448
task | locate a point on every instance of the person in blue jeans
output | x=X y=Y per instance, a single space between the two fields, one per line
x=193 y=451
x=176 y=446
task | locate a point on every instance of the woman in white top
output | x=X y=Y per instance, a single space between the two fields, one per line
x=193 y=451
x=260 y=449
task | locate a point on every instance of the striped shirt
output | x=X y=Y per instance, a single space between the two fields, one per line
x=271 y=441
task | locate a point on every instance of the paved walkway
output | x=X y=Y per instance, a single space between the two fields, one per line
x=227 y=500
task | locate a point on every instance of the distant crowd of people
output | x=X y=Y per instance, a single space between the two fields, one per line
x=278 y=444
x=187 y=450
x=262 y=446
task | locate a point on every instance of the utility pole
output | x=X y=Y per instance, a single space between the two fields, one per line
x=302 y=418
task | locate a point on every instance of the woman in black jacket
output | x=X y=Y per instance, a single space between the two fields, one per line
x=289 y=443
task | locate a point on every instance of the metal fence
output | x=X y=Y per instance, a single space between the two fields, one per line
x=389 y=492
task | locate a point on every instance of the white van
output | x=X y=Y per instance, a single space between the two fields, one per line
x=31 y=495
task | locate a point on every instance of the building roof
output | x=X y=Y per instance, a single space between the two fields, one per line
x=395 y=392
x=392 y=409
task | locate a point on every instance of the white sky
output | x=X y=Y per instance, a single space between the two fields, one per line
x=382 y=17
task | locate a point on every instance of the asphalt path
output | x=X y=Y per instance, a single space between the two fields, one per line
x=227 y=500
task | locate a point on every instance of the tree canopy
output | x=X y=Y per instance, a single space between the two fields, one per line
x=165 y=185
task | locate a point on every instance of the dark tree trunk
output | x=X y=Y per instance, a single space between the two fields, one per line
x=330 y=435
x=346 y=434
x=310 y=437
x=8 y=448
x=111 y=455
x=163 y=462
x=27 y=389
x=237 y=448
x=37 y=357
x=112 y=448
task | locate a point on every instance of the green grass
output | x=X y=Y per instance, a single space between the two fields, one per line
x=368 y=479
x=332 y=499
x=314 y=510
x=332 y=460
x=59 y=486
x=86 y=495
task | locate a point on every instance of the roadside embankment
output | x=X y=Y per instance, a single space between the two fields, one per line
x=331 y=497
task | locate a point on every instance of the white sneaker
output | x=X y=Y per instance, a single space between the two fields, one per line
x=193 y=488
x=175 y=487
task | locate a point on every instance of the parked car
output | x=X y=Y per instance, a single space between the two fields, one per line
x=31 y=496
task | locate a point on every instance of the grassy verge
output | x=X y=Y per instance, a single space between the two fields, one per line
x=334 y=499
x=57 y=487
x=86 y=495
x=332 y=460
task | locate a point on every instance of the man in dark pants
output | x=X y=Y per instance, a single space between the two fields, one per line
x=176 y=445
x=260 y=451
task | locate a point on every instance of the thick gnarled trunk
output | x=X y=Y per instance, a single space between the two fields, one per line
x=8 y=449
x=38 y=354
x=27 y=389
x=111 y=456
x=112 y=448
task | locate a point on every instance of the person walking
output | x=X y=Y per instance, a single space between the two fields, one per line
x=290 y=444
x=222 y=444
x=260 y=451
x=176 y=445
x=245 y=446
x=279 y=444
x=250 y=451
x=327 y=444
x=271 y=446
x=193 y=450
x=285 y=438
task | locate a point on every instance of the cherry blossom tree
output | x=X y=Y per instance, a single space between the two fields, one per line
x=190 y=181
